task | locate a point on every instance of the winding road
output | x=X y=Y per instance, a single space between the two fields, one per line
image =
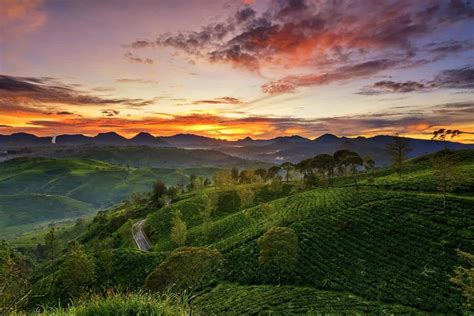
x=139 y=236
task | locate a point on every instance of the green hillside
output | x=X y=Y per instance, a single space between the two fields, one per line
x=390 y=247
x=395 y=247
x=35 y=190
x=31 y=207
x=419 y=174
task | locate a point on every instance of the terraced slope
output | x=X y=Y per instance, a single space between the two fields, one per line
x=386 y=247
x=266 y=299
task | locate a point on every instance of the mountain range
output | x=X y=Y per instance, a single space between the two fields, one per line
x=275 y=150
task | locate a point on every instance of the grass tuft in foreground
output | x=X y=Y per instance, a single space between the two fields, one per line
x=124 y=304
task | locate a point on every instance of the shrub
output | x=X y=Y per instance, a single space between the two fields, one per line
x=185 y=269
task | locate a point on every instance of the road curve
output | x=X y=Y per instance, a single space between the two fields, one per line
x=139 y=236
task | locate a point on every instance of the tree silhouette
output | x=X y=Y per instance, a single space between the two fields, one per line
x=353 y=160
x=443 y=163
x=398 y=151
x=325 y=165
x=339 y=160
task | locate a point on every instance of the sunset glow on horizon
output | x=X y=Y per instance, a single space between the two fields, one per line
x=229 y=69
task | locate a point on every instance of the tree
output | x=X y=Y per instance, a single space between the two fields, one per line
x=464 y=278
x=369 y=166
x=443 y=133
x=339 y=157
x=279 y=247
x=353 y=160
x=178 y=229
x=186 y=268
x=15 y=279
x=246 y=176
x=159 y=189
x=246 y=196
x=288 y=167
x=398 y=151
x=223 y=179
x=306 y=168
x=443 y=163
x=198 y=183
x=52 y=244
x=324 y=163
x=77 y=272
x=262 y=173
x=444 y=173
x=205 y=212
x=235 y=175
x=192 y=181
x=172 y=193
x=103 y=252
x=272 y=172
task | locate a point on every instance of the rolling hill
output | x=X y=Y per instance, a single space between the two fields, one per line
x=377 y=249
x=34 y=190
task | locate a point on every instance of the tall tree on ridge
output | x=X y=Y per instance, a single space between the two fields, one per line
x=398 y=151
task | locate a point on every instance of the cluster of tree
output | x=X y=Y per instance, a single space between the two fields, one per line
x=161 y=195
x=197 y=183
x=321 y=169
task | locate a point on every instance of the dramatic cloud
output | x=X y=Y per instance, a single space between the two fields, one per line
x=462 y=78
x=290 y=83
x=29 y=93
x=326 y=36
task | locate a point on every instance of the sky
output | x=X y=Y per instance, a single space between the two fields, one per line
x=235 y=68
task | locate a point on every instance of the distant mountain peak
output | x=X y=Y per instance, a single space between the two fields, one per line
x=143 y=136
x=327 y=137
x=108 y=134
x=109 y=137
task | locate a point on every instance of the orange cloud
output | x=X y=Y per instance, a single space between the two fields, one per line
x=217 y=126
